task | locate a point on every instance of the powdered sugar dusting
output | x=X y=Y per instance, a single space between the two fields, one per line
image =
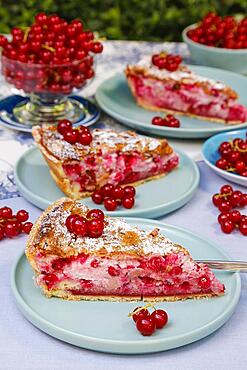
x=182 y=73
x=111 y=241
x=103 y=140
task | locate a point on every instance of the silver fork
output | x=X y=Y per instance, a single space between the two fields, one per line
x=240 y=266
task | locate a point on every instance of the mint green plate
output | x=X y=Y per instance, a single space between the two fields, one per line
x=115 y=98
x=154 y=198
x=106 y=327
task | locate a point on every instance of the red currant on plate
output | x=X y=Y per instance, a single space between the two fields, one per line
x=106 y=190
x=118 y=192
x=160 y=318
x=128 y=202
x=146 y=325
x=129 y=191
x=110 y=204
x=97 y=197
x=158 y=121
x=140 y=314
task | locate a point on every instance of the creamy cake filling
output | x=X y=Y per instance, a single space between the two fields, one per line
x=117 y=168
x=148 y=276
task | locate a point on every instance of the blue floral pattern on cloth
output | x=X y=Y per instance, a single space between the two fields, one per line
x=115 y=57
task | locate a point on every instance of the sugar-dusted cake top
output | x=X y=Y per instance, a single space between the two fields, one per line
x=104 y=141
x=182 y=74
x=51 y=236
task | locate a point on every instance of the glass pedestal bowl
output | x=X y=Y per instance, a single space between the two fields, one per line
x=49 y=88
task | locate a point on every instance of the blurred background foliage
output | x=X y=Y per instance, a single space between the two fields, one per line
x=153 y=20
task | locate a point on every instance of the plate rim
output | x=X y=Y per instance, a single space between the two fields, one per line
x=230 y=176
x=182 y=200
x=219 y=321
x=167 y=130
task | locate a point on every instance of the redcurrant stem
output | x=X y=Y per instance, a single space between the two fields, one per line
x=222 y=195
x=26 y=32
x=8 y=219
x=141 y=308
x=44 y=46
x=239 y=149
x=163 y=54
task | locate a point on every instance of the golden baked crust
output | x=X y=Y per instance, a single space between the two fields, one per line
x=117 y=298
x=50 y=236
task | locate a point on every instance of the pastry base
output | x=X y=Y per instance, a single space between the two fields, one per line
x=114 y=298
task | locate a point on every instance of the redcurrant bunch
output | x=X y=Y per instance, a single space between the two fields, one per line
x=229 y=218
x=223 y=32
x=113 y=196
x=51 y=55
x=79 y=134
x=147 y=323
x=166 y=61
x=169 y=120
x=12 y=225
x=92 y=225
x=233 y=156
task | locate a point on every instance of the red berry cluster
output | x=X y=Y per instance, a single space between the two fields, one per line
x=80 y=134
x=112 y=196
x=169 y=121
x=233 y=156
x=12 y=225
x=223 y=32
x=146 y=324
x=229 y=218
x=166 y=61
x=92 y=225
x=50 y=56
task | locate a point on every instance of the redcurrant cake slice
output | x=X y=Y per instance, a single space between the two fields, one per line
x=162 y=83
x=78 y=253
x=81 y=162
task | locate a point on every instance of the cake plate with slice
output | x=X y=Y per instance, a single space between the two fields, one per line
x=105 y=326
x=115 y=98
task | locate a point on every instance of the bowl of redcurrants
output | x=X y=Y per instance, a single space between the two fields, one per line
x=49 y=61
x=226 y=155
x=218 y=42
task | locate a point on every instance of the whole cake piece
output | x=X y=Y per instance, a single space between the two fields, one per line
x=161 y=83
x=80 y=167
x=81 y=254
